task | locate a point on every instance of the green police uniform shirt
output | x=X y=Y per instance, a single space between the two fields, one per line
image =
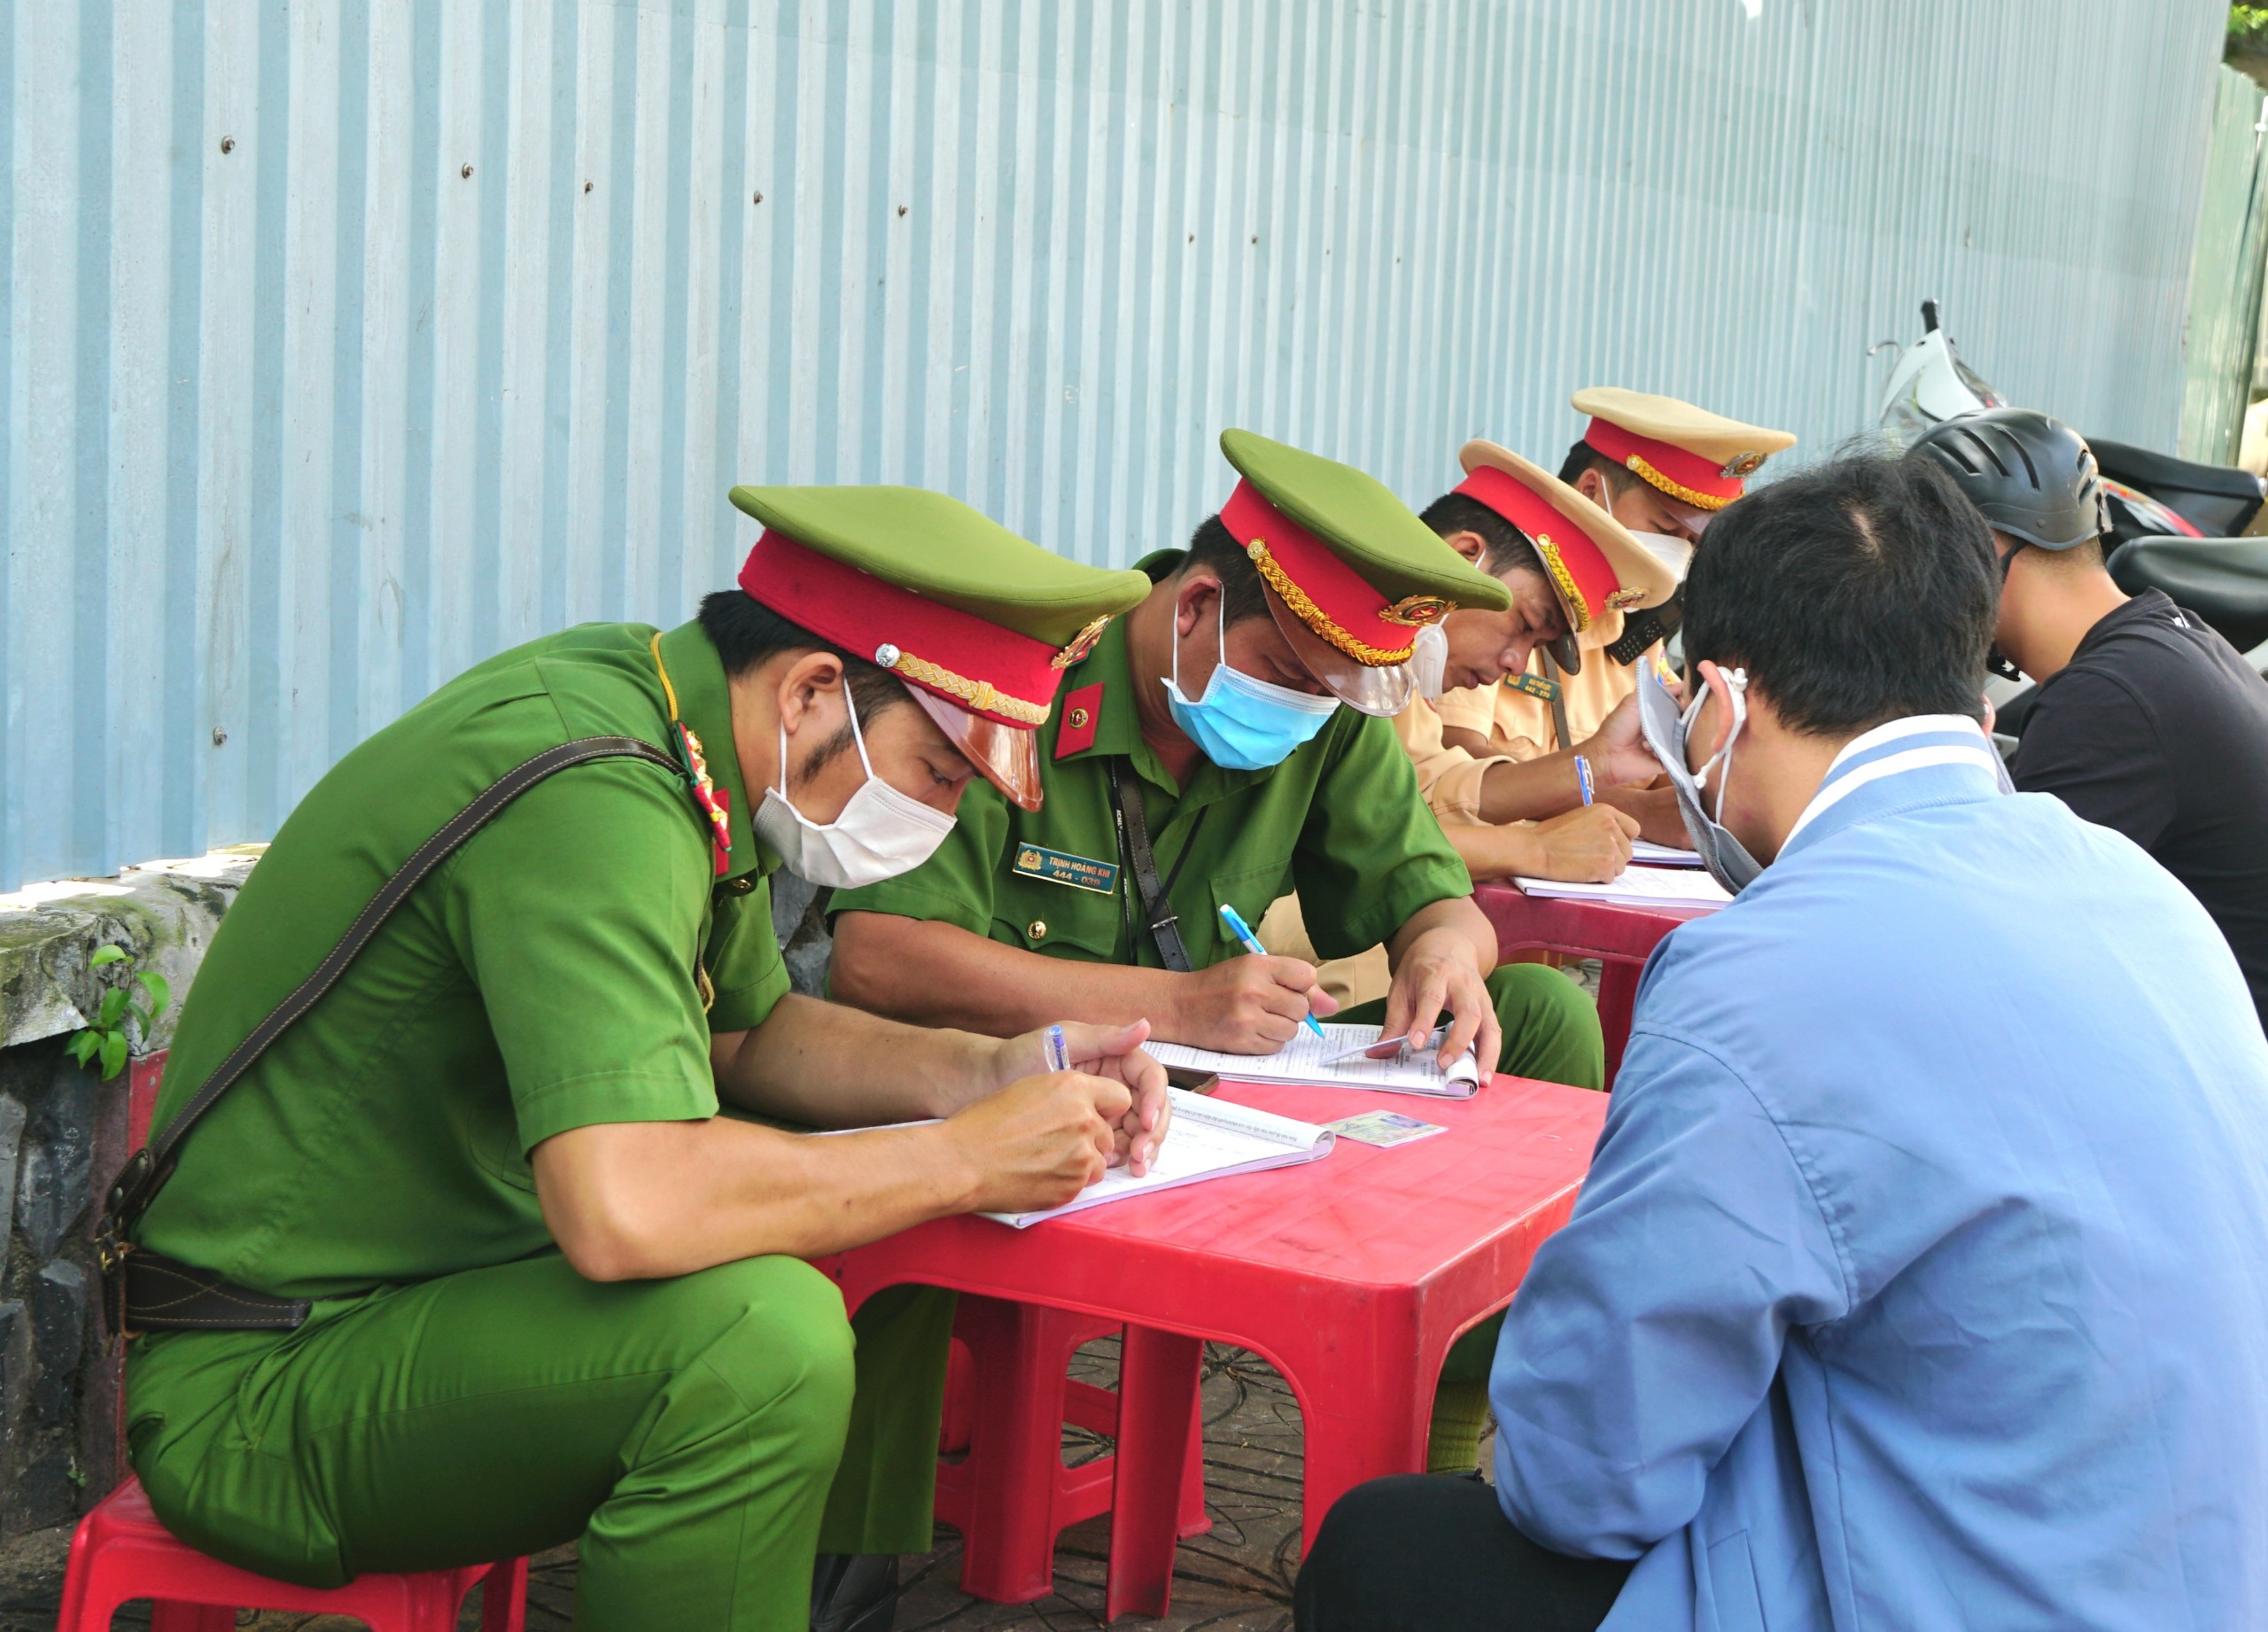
x=547 y=976
x=1341 y=820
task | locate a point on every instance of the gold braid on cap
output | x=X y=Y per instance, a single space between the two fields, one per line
x=1675 y=490
x=1315 y=618
x=1578 y=611
x=982 y=695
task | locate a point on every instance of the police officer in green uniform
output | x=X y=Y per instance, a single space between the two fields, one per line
x=521 y=1282
x=1204 y=734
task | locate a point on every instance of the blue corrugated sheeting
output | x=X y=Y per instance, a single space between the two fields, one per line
x=350 y=342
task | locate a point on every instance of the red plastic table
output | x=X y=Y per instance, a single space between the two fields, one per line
x=1352 y=1276
x=1620 y=937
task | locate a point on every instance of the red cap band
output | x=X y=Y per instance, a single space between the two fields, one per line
x=1325 y=594
x=1665 y=465
x=969 y=661
x=1579 y=568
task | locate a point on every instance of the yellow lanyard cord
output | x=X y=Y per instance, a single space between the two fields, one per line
x=668 y=690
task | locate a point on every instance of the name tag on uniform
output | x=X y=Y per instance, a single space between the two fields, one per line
x=1055 y=866
x=1535 y=685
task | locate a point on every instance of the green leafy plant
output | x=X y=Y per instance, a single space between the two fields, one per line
x=2247 y=31
x=128 y=1014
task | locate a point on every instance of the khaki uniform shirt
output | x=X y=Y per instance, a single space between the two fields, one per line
x=1449 y=778
x=1519 y=726
x=544 y=978
x=1340 y=821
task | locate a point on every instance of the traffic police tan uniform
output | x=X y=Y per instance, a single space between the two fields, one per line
x=1699 y=462
x=1596 y=569
x=459 y=1393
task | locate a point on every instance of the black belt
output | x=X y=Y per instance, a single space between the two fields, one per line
x=144 y=1291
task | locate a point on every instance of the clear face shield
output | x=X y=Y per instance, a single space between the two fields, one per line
x=1006 y=755
x=1385 y=691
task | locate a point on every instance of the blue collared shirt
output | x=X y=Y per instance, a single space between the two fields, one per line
x=1921 y=1280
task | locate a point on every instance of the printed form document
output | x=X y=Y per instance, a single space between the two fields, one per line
x=1306 y=1060
x=1208 y=1139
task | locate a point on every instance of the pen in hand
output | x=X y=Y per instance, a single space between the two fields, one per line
x=1251 y=942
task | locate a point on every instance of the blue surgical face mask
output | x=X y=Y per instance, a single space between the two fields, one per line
x=1665 y=730
x=1243 y=724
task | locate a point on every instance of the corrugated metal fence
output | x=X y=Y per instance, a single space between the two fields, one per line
x=350 y=342
x=2224 y=293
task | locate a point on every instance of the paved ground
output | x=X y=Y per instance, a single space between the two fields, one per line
x=1235 y=1579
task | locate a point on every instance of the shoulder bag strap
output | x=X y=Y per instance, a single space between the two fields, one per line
x=147 y=1171
x=1158 y=916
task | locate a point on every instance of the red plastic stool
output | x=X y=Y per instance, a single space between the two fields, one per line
x=121 y=1552
x=1007 y=1400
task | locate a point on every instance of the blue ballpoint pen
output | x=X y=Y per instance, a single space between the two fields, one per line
x=1243 y=932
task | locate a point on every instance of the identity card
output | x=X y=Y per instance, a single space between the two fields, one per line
x=1383 y=1128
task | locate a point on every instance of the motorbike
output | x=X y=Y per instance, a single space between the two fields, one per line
x=2195 y=531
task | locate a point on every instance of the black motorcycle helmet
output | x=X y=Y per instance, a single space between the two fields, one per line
x=2033 y=478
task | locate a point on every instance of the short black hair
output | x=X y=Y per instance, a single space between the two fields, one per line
x=1504 y=547
x=746 y=633
x=1860 y=590
x=1213 y=546
x=1582 y=456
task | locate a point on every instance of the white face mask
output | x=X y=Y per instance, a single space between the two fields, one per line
x=1429 y=663
x=1672 y=552
x=881 y=834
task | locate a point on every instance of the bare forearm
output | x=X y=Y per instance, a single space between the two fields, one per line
x=966 y=980
x=830 y=1066
x=1457 y=920
x=683 y=1196
x=1527 y=789
x=1496 y=852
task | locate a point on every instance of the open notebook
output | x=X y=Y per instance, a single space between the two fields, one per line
x=1646 y=853
x=1637 y=887
x=1302 y=1061
x=1209 y=1138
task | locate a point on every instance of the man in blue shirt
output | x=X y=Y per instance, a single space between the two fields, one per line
x=1918 y=1281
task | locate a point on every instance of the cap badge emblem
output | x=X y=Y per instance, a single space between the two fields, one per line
x=1416 y=611
x=1742 y=465
x=1080 y=645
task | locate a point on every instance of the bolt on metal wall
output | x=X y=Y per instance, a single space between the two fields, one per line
x=348 y=343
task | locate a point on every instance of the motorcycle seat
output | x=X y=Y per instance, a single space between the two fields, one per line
x=2138 y=467
x=2225 y=581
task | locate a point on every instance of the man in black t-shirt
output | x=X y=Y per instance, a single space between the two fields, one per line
x=2147 y=721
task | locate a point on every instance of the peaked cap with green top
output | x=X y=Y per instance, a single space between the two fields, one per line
x=952 y=602
x=1350 y=560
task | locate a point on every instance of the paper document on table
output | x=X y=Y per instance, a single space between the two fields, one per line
x=1306 y=1060
x=1637 y=887
x=1646 y=853
x=1208 y=1139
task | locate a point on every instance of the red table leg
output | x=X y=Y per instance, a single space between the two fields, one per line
x=1618 y=995
x=1157 y=1406
x=1015 y=1448
x=1361 y=1416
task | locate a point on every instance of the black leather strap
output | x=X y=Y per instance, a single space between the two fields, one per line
x=145 y=1292
x=1156 y=895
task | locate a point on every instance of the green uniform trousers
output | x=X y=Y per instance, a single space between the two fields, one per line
x=685 y=1431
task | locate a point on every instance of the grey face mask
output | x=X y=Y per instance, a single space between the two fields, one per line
x=1665 y=730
